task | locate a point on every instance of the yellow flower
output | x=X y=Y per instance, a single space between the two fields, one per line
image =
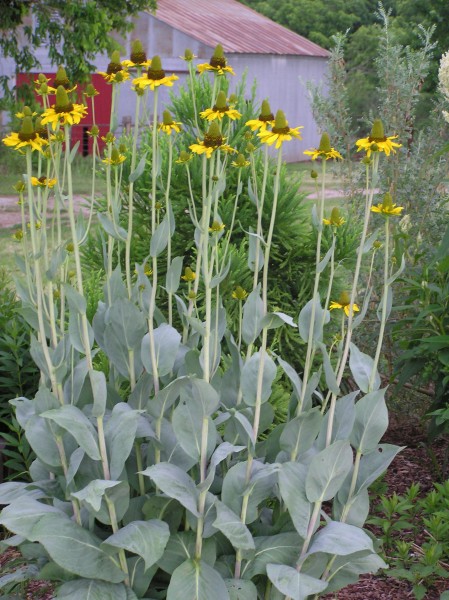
x=387 y=208
x=138 y=57
x=344 y=304
x=280 y=133
x=62 y=79
x=155 y=76
x=239 y=293
x=220 y=109
x=265 y=118
x=37 y=225
x=324 y=150
x=115 y=73
x=63 y=112
x=115 y=159
x=115 y=77
x=377 y=141
x=188 y=55
x=43 y=182
x=241 y=162
x=25 y=113
x=184 y=157
x=168 y=125
x=213 y=140
x=217 y=64
x=216 y=227
x=18 y=235
x=189 y=275
x=335 y=220
x=26 y=137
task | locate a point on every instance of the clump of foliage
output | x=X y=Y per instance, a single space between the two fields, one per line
x=160 y=469
x=415 y=536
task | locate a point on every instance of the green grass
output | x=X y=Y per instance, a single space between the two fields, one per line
x=300 y=172
x=12 y=166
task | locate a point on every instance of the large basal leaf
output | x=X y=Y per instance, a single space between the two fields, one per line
x=347 y=569
x=259 y=487
x=78 y=425
x=375 y=463
x=340 y=539
x=292 y=486
x=253 y=314
x=282 y=548
x=241 y=589
x=21 y=516
x=144 y=538
x=166 y=344
x=299 y=434
x=174 y=482
x=94 y=491
x=173 y=276
x=328 y=470
x=295 y=585
x=371 y=421
x=74 y=548
x=99 y=392
x=196 y=580
x=163 y=232
x=321 y=317
x=361 y=366
x=343 y=421
x=120 y=433
x=10 y=491
x=232 y=527
x=181 y=547
x=187 y=425
x=250 y=375
x=91 y=589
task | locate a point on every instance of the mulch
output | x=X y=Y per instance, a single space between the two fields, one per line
x=412 y=465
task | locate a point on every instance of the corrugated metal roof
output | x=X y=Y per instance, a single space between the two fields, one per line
x=237 y=27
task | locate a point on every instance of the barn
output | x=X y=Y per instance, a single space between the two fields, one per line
x=280 y=60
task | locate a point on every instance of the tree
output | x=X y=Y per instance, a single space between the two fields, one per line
x=73 y=31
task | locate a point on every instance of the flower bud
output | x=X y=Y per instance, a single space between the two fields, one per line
x=335 y=215
x=61 y=78
x=344 y=299
x=188 y=54
x=313 y=174
x=377 y=131
x=241 y=160
x=167 y=119
x=138 y=55
x=62 y=99
x=387 y=201
x=265 y=113
x=90 y=91
x=250 y=147
x=156 y=71
x=220 y=103
x=19 y=186
x=325 y=144
x=233 y=99
x=280 y=122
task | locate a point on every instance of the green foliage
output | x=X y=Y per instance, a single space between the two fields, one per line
x=422 y=332
x=415 y=535
x=73 y=33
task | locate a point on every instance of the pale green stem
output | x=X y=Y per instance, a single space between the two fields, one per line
x=63 y=458
x=239 y=343
x=168 y=212
x=57 y=390
x=192 y=88
x=383 y=319
x=231 y=226
x=115 y=528
x=131 y=198
x=310 y=341
x=368 y=203
x=260 y=205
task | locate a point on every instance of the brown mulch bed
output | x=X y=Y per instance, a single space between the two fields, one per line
x=412 y=465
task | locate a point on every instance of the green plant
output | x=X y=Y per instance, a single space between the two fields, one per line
x=415 y=536
x=160 y=471
x=422 y=333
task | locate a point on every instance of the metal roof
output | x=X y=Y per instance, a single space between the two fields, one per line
x=237 y=27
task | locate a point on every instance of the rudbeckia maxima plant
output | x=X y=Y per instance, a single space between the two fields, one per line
x=162 y=468
x=280 y=132
x=63 y=112
x=220 y=109
x=264 y=120
x=218 y=63
x=377 y=141
x=26 y=137
x=155 y=76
